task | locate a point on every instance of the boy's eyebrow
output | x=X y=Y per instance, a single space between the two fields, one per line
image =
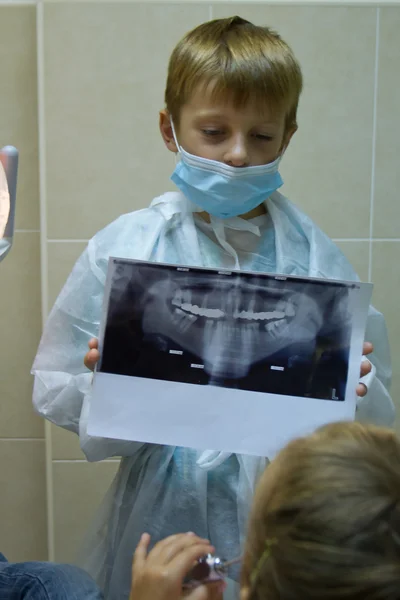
x=206 y=114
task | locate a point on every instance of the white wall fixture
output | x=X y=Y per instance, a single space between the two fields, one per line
x=8 y=189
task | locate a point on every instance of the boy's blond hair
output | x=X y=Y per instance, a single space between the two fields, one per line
x=237 y=60
x=327 y=524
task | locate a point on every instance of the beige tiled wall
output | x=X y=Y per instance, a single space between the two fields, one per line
x=23 y=530
x=102 y=77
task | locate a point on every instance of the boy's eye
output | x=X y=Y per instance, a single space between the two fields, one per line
x=261 y=136
x=211 y=131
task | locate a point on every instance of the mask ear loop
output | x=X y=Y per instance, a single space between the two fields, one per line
x=174 y=134
x=177 y=159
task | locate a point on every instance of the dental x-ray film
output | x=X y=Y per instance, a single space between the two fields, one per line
x=233 y=361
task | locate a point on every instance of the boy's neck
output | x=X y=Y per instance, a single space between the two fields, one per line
x=256 y=212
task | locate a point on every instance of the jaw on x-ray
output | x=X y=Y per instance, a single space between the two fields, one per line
x=8 y=187
x=256 y=332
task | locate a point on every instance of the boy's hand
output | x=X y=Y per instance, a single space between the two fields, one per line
x=159 y=575
x=93 y=355
x=365 y=368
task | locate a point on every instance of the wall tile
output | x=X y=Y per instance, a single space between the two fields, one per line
x=65 y=445
x=20 y=326
x=18 y=105
x=79 y=488
x=23 y=500
x=327 y=169
x=105 y=72
x=358 y=255
x=386 y=204
x=386 y=278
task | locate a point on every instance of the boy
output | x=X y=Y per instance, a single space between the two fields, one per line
x=231 y=100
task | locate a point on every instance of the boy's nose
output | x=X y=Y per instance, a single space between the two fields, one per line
x=237 y=154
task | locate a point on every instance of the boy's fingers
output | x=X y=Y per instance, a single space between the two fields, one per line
x=91 y=359
x=367 y=348
x=140 y=555
x=93 y=344
x=366 y=368
x=361 y=390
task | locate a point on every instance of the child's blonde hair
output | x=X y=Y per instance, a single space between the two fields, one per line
x=326 y=521
x=237 y=60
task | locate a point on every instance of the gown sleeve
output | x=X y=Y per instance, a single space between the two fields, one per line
x=62 y=384
x=376 y=406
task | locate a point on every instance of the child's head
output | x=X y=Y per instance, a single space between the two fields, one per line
x=325 y=522
x=232 y=92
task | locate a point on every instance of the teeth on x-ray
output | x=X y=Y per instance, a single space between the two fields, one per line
x=211 y=313
x=182 y=299
x=274 y=327
x=183 y=320
x=259 y=316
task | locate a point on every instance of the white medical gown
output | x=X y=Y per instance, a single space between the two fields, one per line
x=160 y=489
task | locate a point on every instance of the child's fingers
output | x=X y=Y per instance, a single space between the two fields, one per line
x=361 y=390
x=140 y=554
x=209 y=591
x=366 y=368
x=367 y=348
x=216 y=590
x=93 y=344
x=91 y=359
x=168 y=542
x=185 y=559
x=173 y=546
x=199 y=593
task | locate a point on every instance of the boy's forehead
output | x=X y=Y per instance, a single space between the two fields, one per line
x=204 y=104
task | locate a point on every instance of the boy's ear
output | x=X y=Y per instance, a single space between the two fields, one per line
x=287 y=137
x=166 y=130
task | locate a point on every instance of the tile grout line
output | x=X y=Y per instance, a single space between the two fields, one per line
x=339 y=3
x=43 y=256
x=369 y=240
x=21 y=439
x=84 y=461
x=63 y=241
x=373 y=156
x=350 y=3
x=26 y=230
x=9 y=3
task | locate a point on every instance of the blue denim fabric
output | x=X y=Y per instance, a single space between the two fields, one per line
x=45 y=581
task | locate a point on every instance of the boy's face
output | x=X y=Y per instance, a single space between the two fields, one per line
x=219 y=131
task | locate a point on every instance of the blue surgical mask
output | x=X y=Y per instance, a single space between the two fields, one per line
x=222 y=190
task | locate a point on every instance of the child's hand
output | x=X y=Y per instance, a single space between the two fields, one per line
x=365 y=368
x=93 y=355
x=159 y=575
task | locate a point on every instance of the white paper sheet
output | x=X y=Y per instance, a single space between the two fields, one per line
x=233 y=361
